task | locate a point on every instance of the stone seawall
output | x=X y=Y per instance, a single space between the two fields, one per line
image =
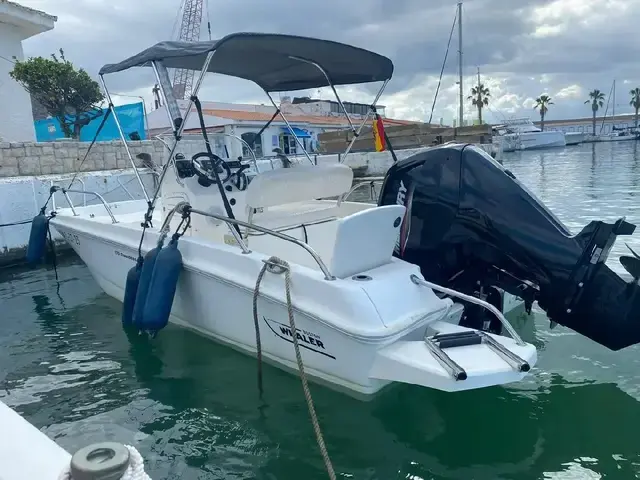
x=32 y=158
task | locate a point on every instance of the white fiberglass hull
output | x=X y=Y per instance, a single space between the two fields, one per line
x=574 y=138
x=616 y=138
x=354 y=335
x=532 y=140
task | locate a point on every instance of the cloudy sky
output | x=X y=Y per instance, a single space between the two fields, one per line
x=524 y=48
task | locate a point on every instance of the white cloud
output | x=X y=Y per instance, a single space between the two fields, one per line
x=565 y=47
x=571 y=91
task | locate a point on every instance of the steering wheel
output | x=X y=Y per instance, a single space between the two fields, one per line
x=206 y=176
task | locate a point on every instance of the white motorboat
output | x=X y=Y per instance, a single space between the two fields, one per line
x=574 y=138
x=344 y=290
x=522 y=134
x=364 y=318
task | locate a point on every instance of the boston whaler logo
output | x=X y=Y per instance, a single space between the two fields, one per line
x=405 y=199
x=306 y=339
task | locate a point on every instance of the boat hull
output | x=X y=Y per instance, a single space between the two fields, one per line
x=616 y=138
x=574 y=138
x=340 y=344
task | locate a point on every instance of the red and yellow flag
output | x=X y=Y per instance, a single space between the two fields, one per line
x=378 y=134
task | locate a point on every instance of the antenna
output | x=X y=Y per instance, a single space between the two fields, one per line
x=461 y=115
x=189 y=32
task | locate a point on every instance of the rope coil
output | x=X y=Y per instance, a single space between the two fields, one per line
x=284 y=266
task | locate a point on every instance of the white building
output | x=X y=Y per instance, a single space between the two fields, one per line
x=307 y=117
x=17 y=23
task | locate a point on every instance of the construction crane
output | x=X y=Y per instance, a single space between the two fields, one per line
x=189 y=32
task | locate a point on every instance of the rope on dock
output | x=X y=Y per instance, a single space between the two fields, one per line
x=283 y=266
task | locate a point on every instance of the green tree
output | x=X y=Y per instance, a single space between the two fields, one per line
x=67 y=94
x=596 y=99
x=479 y=98
x=635 y=102
x=542 y=105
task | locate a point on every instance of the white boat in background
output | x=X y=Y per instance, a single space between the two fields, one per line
x=574 y=138
x=521 y=134
x=617 y=136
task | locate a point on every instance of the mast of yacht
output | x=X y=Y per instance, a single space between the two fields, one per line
x=613 y=111
x=460 y=115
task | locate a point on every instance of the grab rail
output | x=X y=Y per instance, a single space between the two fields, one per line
x=96 y=194
x=370 y=182
x=231 y=221
x=454 y=293
x=84 y=197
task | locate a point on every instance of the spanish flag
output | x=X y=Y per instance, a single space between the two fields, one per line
x=378 y=134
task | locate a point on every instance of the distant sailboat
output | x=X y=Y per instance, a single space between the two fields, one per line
x=616 y=134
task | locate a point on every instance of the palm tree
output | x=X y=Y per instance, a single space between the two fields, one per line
x=542 y=104
x=635 y=102
x=479 y=98
x=596 y=99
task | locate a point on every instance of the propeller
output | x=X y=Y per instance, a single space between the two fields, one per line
x=631 y=264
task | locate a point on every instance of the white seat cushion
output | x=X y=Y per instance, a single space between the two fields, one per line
x=365 y=240
x=297 y=184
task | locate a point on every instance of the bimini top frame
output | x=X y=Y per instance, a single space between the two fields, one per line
x=274 y=62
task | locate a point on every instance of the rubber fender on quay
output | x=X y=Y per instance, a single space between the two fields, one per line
x=143 y=284
x=37 y=239
x=162 y=288
x=130 y=291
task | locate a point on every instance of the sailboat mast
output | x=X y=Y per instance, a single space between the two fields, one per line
x=614 y=104
x=460 y=116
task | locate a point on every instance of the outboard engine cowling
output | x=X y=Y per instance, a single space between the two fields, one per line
x=469 y=222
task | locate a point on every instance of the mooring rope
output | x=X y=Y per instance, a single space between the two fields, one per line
x=256 y=324
x=275 y=261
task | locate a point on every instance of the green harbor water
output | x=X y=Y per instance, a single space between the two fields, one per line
x=192 y=407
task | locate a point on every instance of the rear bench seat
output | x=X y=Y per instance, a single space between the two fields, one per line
x=287 y=196
x=359 y=242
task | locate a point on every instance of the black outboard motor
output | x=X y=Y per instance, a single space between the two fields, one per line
x=472 y=226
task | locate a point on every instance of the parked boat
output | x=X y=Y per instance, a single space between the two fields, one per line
x=522 y=134
x=574 y=138
x=622 y=135
x=345 y=292
x=617 y=134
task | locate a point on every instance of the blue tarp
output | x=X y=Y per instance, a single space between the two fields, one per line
x=298 y=132
x=131 y=118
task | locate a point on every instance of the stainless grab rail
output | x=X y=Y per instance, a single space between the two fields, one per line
x=97 y=195
x=230 y=222
x=357 y=186
x=468 y=298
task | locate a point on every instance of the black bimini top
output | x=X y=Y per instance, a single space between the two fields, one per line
x=272 y=61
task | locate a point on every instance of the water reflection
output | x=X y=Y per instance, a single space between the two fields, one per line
x=192 y=406
x=592 y=181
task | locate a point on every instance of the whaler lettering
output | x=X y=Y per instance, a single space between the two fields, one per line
x=306 y=340
x=310 y=340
